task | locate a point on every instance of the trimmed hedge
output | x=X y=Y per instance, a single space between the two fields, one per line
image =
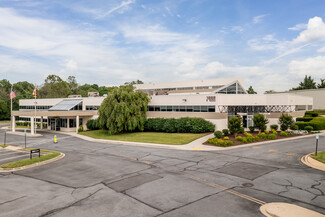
x=317 y=123
x=311 y=114
x=92 y=124
x=181 y=125
x=304 y=119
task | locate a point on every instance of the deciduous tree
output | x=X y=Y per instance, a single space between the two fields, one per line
x=123 y=110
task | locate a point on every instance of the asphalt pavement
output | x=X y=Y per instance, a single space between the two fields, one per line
x=99 y=179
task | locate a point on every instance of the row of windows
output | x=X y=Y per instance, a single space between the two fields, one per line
x=28 y=119
x=39 y=107
x=63 y=122
x=92 y=107
x=186 y=88
x=201 y=108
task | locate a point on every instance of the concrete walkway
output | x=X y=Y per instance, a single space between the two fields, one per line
x=194 y=145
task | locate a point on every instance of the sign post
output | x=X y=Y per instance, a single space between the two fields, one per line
x=25 y=137
x=35 y=151
x=317 y=137
x=5 y=137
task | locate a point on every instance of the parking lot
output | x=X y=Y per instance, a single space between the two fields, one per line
x=99 y=179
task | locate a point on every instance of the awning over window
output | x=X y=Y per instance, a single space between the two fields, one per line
x=66 y=105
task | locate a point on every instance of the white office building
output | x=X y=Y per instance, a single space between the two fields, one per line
x=215 y=100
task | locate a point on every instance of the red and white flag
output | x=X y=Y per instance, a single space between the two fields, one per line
x=12 y=94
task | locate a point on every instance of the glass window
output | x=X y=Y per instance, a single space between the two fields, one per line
x=197 y=109
x=64 y=123
x=189 y=108
x=163 y=108
x=182 y=108
x=204 y=108
x=211 y=109
x=169 y=108
x=175 y=108
x=72 y=123
x=151 y=108
x=157 y=108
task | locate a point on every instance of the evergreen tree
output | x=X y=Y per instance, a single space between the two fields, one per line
x=123 y=110
x=322 y=84
x=251 y=90
x=307 y=83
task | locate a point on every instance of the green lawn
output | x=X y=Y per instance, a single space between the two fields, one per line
x=36 y=159
x=149 y=137
x=320 y=156
x=3 y=146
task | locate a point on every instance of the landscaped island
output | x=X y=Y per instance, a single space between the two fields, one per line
x=235 y=135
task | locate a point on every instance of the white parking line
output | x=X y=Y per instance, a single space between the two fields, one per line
x=9 y=158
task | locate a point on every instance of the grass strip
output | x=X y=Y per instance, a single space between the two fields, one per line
x=320 y=156
x=25 y=162
x=146 y=137
x=3 y=146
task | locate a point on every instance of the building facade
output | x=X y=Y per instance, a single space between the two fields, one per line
x=215 y=100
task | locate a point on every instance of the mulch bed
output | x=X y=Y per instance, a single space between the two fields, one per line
x=235 y=143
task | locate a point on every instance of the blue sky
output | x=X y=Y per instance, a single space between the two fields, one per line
x=271 y=44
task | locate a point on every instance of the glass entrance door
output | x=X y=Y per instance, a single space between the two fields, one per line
x=52 y=122
x=57 y=124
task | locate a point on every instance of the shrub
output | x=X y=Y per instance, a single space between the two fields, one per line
x=285 y=122
x=266 y=131
x=92 y=124
x=181 y=125
x=247 y=134
x=260 y=122
x=274 y=127
x=80 y=129
x=282 y=133
x=309 y=129
x=225 y=132
x=294 y=127
x=271 y=136
x=242 y=130
x=311 y=114
x=244 y=140
x=234 y=125
x=218 y=134
x=219 y=142
x=250 y=139
x=239 y=138
x=226 y=138
x=317 y=123
x=251 y=129
x=274 y=131
x=262 y=135
x=169 y=126
x=304 y=119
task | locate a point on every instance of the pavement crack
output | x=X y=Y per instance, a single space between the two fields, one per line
x=48 y=213
x=9 y=201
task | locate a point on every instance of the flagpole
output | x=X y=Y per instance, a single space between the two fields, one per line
x=12 y=128
x=35 y=125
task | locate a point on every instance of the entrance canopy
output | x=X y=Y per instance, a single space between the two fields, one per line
x=67 y=105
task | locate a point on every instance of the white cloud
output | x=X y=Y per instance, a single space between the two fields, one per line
x=314 y=66
x=121 y=7
x=298 y=27
x=315 y=31
x=238 y=29
x=321 y=50
x=259 y=18
x=267 y=42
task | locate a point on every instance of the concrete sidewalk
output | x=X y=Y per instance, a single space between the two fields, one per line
x=194 y=145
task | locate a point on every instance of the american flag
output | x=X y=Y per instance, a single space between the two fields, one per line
x=12 y=94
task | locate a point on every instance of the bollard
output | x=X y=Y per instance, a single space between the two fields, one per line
x=55 y=139
x=317 y=137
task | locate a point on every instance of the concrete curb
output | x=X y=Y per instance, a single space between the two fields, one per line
x=311 y=162
x=194 y=145
x=287 y=210
x=8 y=170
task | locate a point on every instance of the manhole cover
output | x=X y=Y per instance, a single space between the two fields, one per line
x=248 y=185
